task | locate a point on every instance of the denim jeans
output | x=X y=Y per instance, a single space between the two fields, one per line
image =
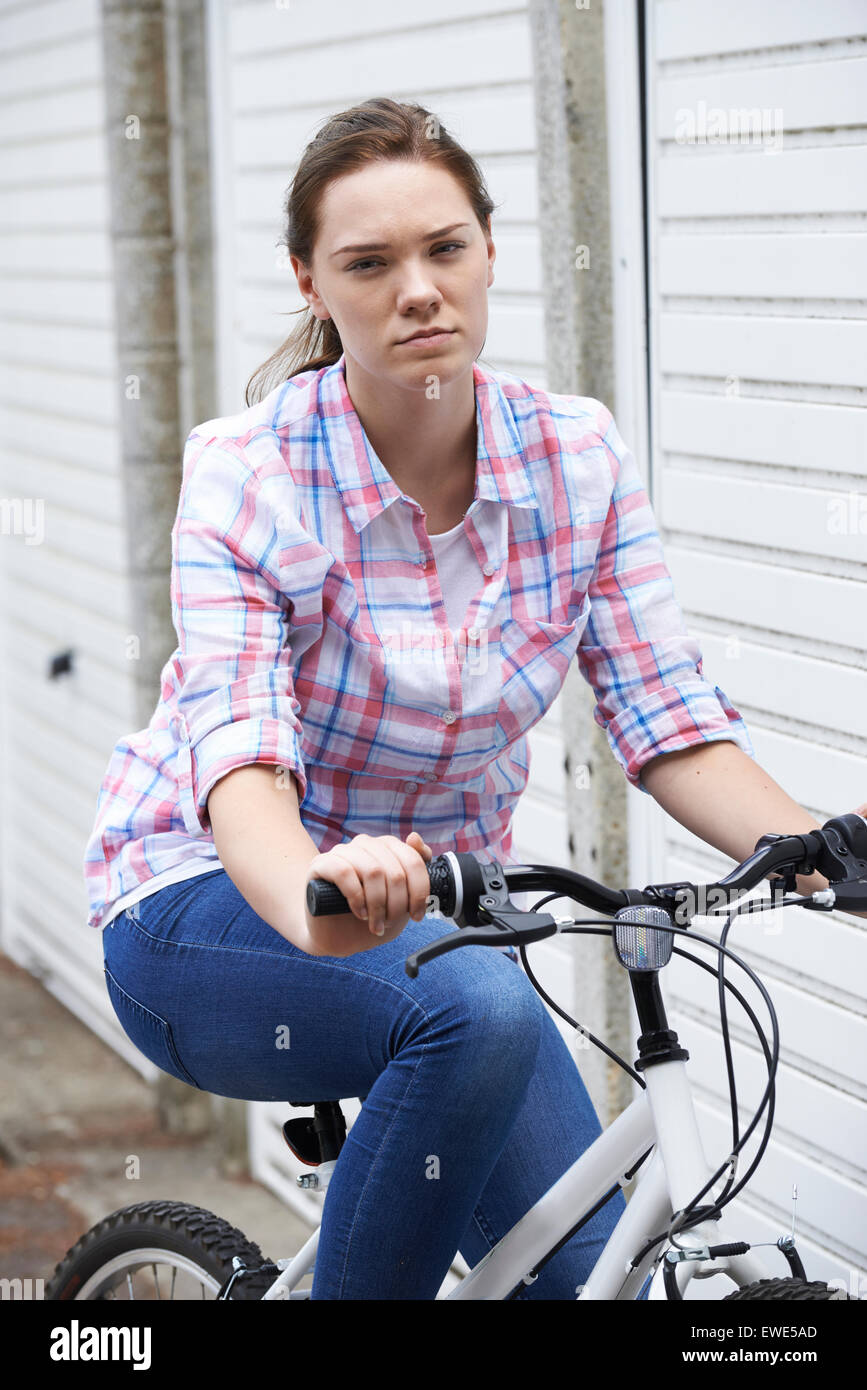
x=473 y=1106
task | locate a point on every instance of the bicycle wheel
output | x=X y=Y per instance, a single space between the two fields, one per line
x=801 y=1290
x=158 y=1250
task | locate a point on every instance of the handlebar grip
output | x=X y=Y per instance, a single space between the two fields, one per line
x=852 y=829
x=324 y=898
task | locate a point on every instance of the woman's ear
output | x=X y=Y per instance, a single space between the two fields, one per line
x=306 y=288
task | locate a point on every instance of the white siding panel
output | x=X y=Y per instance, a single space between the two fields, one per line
x=75 y=253
x=766 y=181
x=50 y=65
x=760 y=512
x=85 y=206
x=781 y=600
x=44 y=115
x=55 y=297
x=832 y=437
x=59 y=157
x=82 y=443
x=704 y=29
x=766 y=266
x=496 y=50
x=307 y=23
x=784 y=349
x=42 y=26
x=28 y=343
x=82 y=394
x=811 y=95
x=759 y=460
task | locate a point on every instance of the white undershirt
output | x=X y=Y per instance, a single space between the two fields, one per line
x=458 y=570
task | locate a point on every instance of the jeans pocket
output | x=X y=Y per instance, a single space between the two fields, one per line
x=150 y=1033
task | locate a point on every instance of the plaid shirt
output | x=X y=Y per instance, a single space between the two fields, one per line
x=312 y=633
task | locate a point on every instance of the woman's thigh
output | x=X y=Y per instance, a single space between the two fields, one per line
x=196 y=976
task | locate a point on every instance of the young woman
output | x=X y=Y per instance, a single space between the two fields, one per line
x=388 y=484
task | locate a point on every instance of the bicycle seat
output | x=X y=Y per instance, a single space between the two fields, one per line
x=316 y=1139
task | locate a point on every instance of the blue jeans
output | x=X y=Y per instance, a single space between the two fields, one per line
x=474 y=1104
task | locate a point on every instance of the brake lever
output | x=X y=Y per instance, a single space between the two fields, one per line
x=465 y=936
x=506 y=926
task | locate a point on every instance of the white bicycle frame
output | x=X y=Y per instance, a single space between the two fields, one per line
x=663 y=1116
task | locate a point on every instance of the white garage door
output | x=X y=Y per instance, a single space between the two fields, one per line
x=277 y=73
x=63 y=544
x=758 y=267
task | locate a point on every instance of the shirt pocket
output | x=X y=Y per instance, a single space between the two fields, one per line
x=150 y=1033
x=535 y=657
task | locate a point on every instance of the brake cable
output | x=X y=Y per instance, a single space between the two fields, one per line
x=709 y=1211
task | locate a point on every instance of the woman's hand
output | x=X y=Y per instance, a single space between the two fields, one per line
x=385 y=882
x=859 y=811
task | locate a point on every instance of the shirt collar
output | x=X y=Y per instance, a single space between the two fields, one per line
x=366 y=487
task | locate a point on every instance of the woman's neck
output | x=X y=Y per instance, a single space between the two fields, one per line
x=428 y=445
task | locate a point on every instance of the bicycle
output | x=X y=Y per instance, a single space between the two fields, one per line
x=657 y=1132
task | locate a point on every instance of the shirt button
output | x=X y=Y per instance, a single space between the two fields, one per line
x=449 y=717
x=411 y=786
x=431 y=777
x=488 y=568
x=423 y=560
x=473 y=633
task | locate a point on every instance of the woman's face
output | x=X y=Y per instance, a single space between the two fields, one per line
x=396 y=277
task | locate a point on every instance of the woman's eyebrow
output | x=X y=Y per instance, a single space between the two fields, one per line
x=384 y=245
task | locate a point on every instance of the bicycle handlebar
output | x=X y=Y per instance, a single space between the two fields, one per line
x=838 y=851
x=475 y=895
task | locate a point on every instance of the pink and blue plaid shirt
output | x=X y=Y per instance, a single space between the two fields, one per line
x=312 y=633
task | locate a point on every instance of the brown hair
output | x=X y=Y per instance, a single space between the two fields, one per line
x=376 y=129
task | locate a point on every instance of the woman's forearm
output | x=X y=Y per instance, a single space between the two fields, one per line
x=263 y=846
x=726 y=798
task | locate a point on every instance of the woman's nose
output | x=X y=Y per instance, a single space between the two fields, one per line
x=417 y=289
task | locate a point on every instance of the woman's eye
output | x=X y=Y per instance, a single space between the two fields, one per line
x=447 y=246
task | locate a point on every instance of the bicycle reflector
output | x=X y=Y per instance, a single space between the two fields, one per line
x=638 y=940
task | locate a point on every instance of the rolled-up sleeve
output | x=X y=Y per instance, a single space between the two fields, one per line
x=645 y=669
x=234 y=688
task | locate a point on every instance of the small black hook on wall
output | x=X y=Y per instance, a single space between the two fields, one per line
x=60 y=665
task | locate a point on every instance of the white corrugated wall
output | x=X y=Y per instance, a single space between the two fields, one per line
x=758 y=268
x=277 y=74
x=60 y=481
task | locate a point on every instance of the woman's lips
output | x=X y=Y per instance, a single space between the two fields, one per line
x=427 y=340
